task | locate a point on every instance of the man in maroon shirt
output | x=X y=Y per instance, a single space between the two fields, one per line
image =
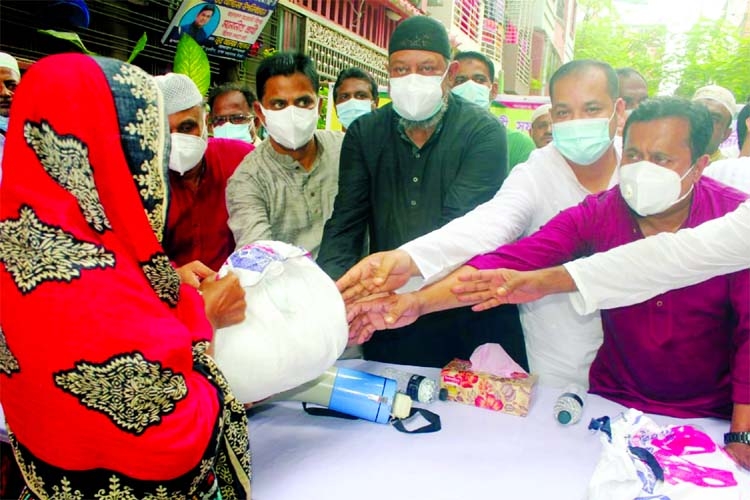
x=198 y=172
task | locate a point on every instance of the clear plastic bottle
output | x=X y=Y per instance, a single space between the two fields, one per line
x=569 y=405
x=417 y=387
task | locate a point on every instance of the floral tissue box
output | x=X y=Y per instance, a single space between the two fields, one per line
x=506 y=394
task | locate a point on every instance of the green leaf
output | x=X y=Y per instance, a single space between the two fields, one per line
x=70 y=37
x=190 y=59
x=138 y=47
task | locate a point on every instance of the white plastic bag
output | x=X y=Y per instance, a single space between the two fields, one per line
x=692 y=465
x=295 y=326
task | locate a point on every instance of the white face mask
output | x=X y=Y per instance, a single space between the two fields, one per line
x=473 y=92
x=240 y=131
x=417 y=97
x=3 y=123
x=650 y=189
x=187 y=152
x=292 y=127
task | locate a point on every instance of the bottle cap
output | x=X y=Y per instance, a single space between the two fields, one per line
x=401 y=405
x=443 y=394
x=564 y=417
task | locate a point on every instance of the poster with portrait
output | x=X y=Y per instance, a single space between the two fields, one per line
x=224 y=28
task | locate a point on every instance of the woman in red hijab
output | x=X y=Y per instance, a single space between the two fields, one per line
x=106 y=386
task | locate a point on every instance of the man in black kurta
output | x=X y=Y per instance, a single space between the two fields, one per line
x=408 y=168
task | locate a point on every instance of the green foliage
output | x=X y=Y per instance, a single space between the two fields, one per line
x=190 y=59
x=605 y=38
x=73 y=38
x=70 y=37
x=323 y=95
x=713 y=52
x=138 y=47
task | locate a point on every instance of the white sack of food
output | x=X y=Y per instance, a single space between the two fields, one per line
x=295 y=326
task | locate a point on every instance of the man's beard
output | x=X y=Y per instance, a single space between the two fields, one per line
x=427 y=123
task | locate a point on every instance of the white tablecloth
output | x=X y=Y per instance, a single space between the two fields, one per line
x=478 y=453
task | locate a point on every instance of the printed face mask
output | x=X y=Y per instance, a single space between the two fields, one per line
x=240 y=131
x=292 y=127
x=417 y=97
x=582 y=141
x=352 y=109
x=650 y=189
x=473 y=92
x=186 y=152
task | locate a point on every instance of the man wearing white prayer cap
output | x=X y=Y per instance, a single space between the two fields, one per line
x=9 y=78
x=199 y=168
x=541 y=126
x=722 y=106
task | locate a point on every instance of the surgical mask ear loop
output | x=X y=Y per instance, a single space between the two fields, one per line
x=689 y=190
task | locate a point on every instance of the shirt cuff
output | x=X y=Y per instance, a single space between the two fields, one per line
x=581 y=300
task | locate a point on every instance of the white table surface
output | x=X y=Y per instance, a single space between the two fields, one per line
x=478 y=453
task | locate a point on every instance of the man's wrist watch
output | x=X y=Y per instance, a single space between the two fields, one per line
x=737 y=437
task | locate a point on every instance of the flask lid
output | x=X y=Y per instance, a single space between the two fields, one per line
x=401 y=405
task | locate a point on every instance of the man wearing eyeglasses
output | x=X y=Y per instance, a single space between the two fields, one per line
x=232 y=114
x=199 y=168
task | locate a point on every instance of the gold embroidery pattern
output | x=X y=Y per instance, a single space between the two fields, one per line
x=149 y=175
x=28 y=471
x=205 y=467
x=163 y=278
x=133 y=392
x=116 y=485
x=235 y=438
x=8 y=362
x=65 y=492
x=34 y=252
x=66 y=160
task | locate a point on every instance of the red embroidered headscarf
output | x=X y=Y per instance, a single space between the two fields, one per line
x=103 y=378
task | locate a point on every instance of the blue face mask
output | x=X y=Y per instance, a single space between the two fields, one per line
x=352 y=109
x=239 y=131
x=473 y=92
x=4 y=123
x=582 y=141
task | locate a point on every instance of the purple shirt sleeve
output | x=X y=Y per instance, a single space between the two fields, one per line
x=565 y=237
x=739 y=286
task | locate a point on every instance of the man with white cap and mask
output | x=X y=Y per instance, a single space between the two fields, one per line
x=721 y=104
x=198 y=172
x=541 y=126
x=9 y=78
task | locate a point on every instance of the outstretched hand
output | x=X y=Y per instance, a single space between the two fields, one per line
x=383 y=312
x=377 y=273
x=491 y=288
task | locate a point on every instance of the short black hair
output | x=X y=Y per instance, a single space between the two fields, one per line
x=478 y=56
x=696 y=114
x=580 y=65
x=241 y=87
x=206 y=7
x=285 y=64
x=742 y=117
x=359 y=74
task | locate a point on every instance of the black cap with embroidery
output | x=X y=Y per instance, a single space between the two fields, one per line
x=420 y=33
